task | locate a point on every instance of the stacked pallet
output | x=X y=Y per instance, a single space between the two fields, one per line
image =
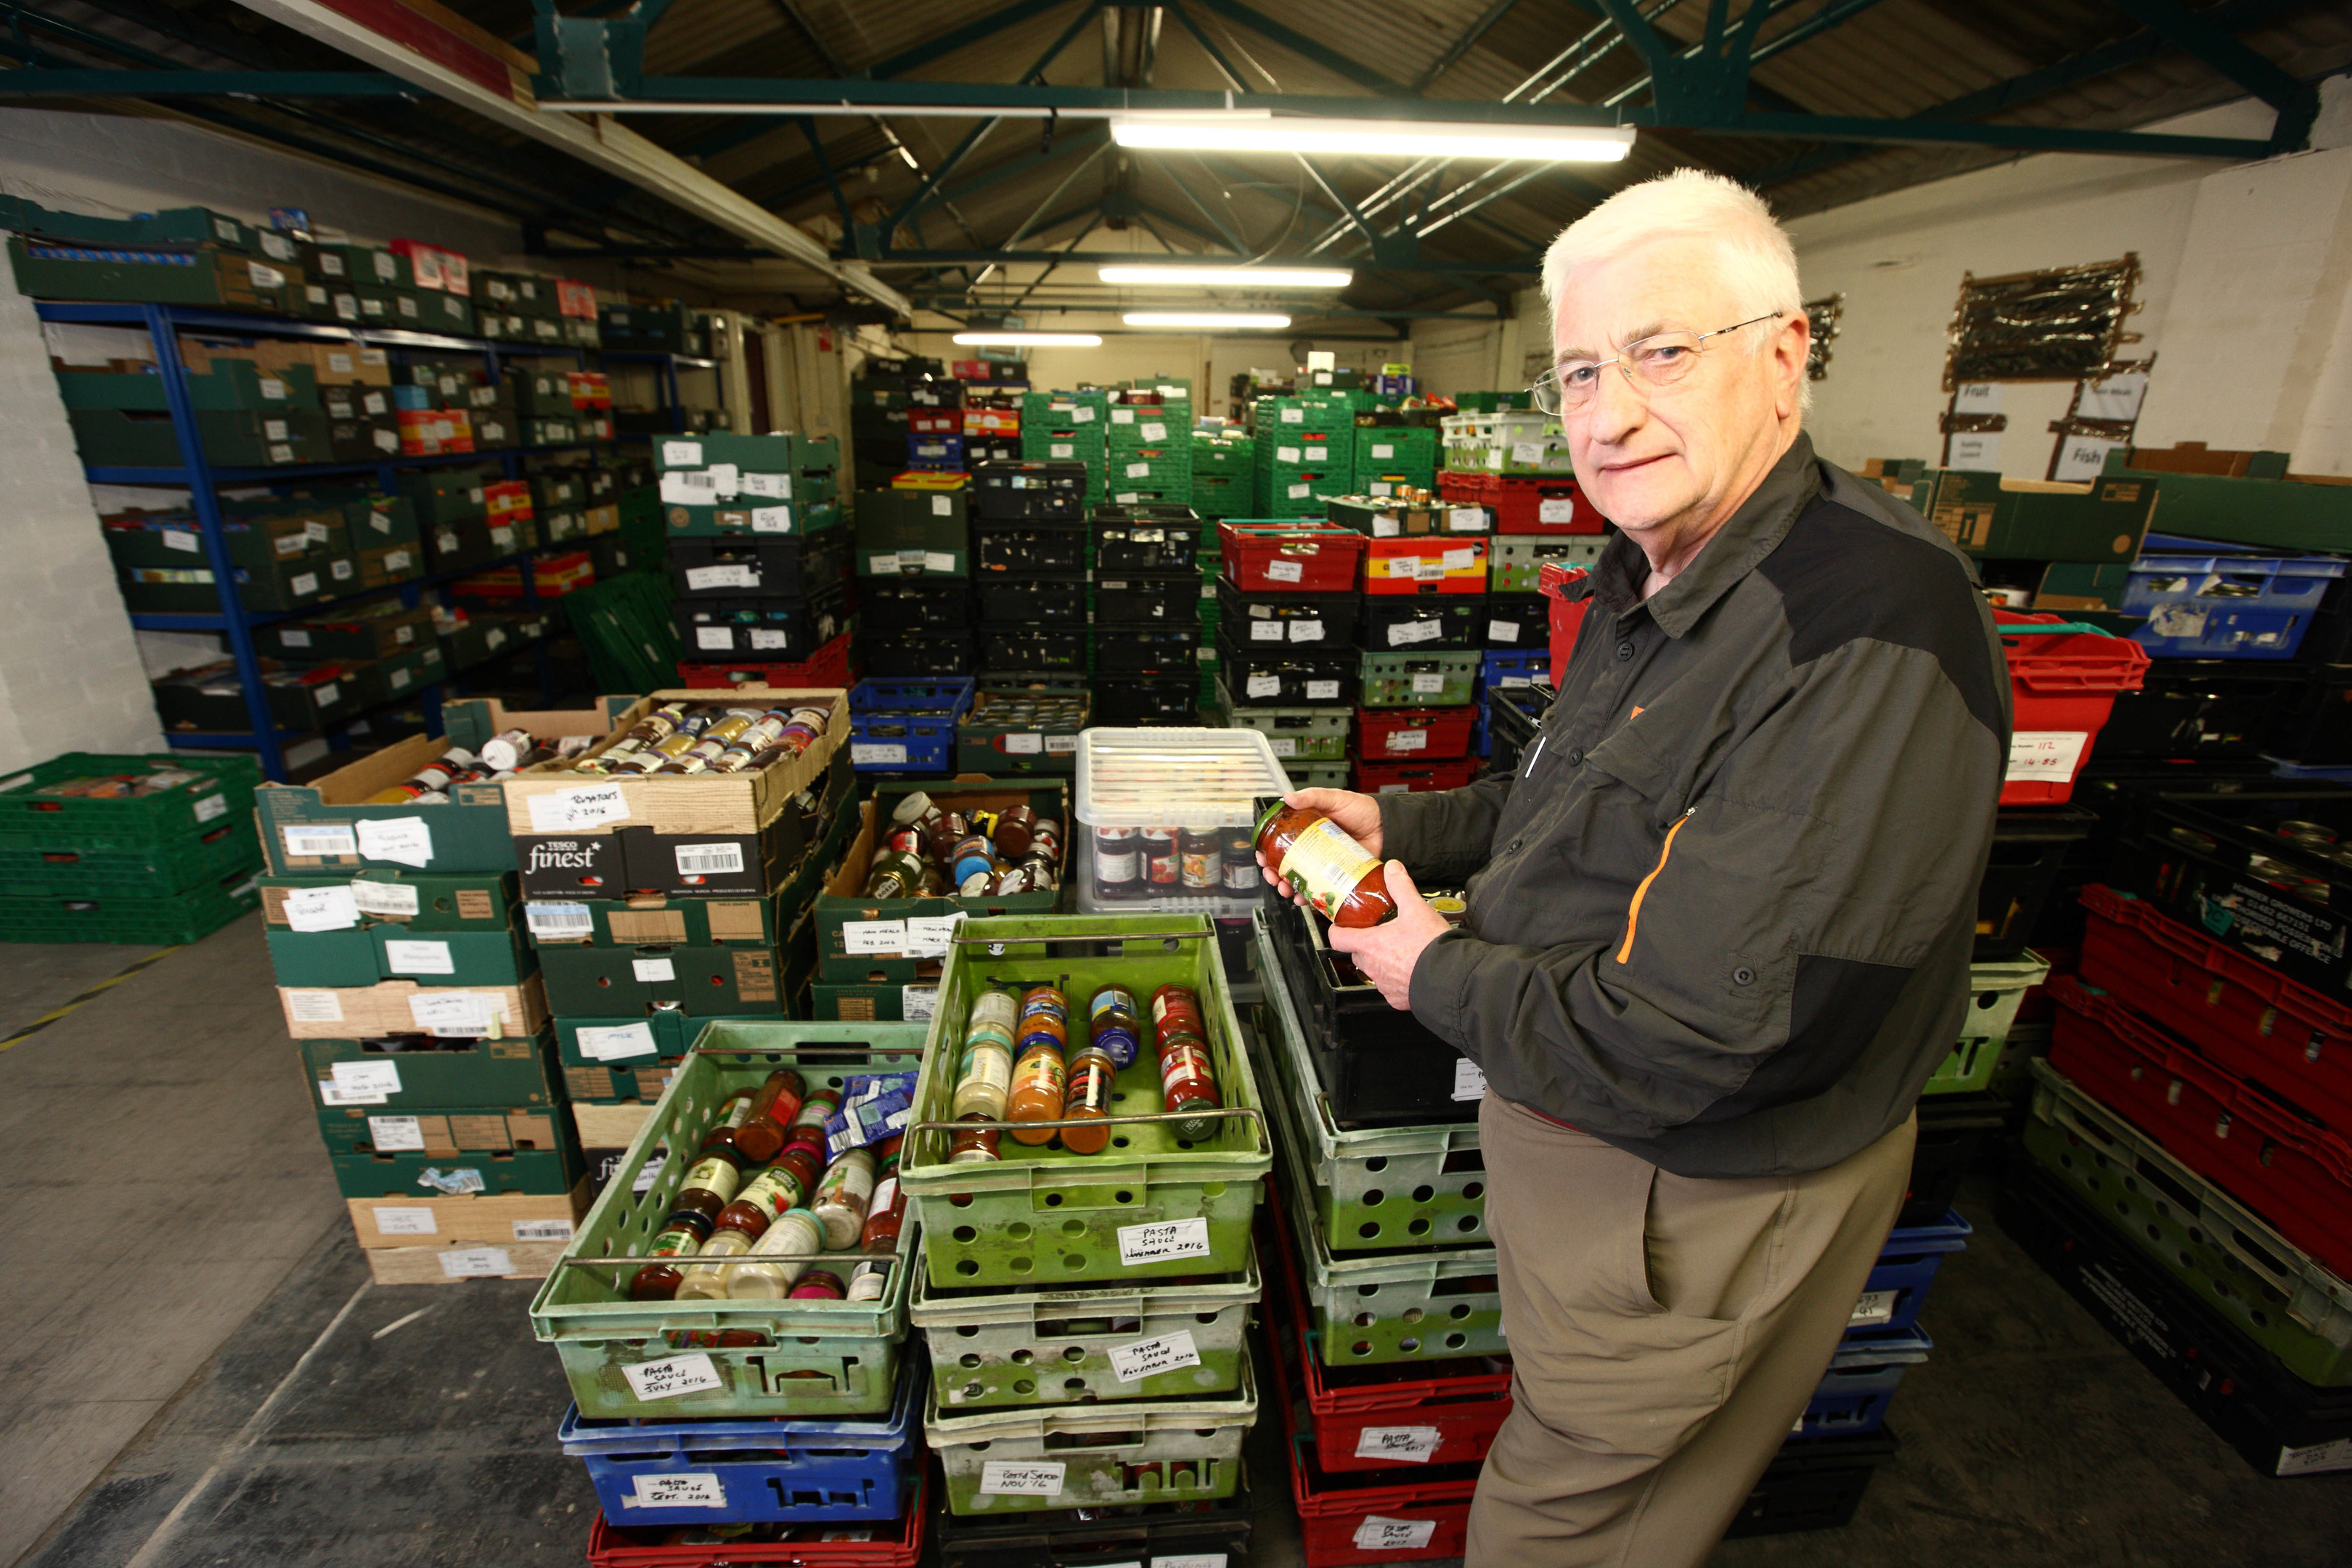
x=912 y=560
x=1031 y=550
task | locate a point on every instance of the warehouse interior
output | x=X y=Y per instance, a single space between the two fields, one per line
x=715 y=495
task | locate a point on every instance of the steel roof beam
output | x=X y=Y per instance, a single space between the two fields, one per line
x=2194 y=33
x=1128 y=259
x=1307 y=49
x=1462 y=45
x=972 y=32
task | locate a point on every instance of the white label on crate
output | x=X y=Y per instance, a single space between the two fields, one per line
x=391 y=1134
x=681 y=454
x=1502 y=631
x=1467 y=518
x=405 y=840
x=709 y=860
x=1192 y=1560
x=616 y=1042
x=1265 y=631
x=1293 y=416
x=1028 y=743
x=322 y=1007
x=1284 y=745
x=1377 y=1534
x=1527 y=451
x=1319 y=454
x=397 y=899
x=1469 y=1079
x=577 y=810
x=419 y=958
x=326 y=695
x=1082 y=415
x=212 y=805
x=651 y=1171
x=1405 y=631
x=767 y=641
x=494 y=638
x=928 y=936
x=321 y=909
x=1428 y=685
x=1414 y=1445
x=733 y=575
x=1306 y=631
x=1408 y=741
x=728 y=478
x=693 y=1489
x=503 y=536
x=403 y=635
x=944 y=506
x=1382 y=487
x=1322 y=691
x=1461 y=560
x=1299 y=492
x=1875 y=1308
x=2045 y=754
x=1263 y=686
x=1556 y=509
x=767 y=487
x=1386 y=527
x=1155 y=432
x=314 y=532
x=942 y=561
x=397 y=560
x=1286 y=454
x=181 y=539
x=672 y=1376
x=2319 y=1456
x=1067 y=745
x=1508 y=681
x=689 y=489
x=306 y=582
x=558 y=922
x=1023 y=1477
x=542 y=1230
x=455 y=1015
x=1163 y=1241
x=1122 y=416
x=877 y=753
x=477 y=1263
x=341 y=571
x=273 y=430
x=916 y=1004
x=367 y=1078
x=1138 y=471
x=882 y=566
x=1150 y=1358
x=874 y=936
x=651 y=971
x=404 y=1222
x=1383 y=449
x=1054 y=449
x=329 y=1094
x=372 y=402
x=1403 y=566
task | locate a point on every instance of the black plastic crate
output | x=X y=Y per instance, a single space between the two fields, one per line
x=1378 y=1066
x=1137 y=701
x=1514 y=720
x=805 y=566
x=1027 y=547
x=912 y=654
x=2028 y=847
x=1305 y=620
x=1262 y=676
x=2268 y=872
x=782 y=629
x=2203 y=708
x=1056 y=599
x=1029 y=490
x=1956 y=1131
x=1147 y=539
x=1122 y=599
x=1390 y=623
x=1082 y=1538
x=914 y=603
x=935 y=395
x=1516 y=621
x=1140 y=650
x=1058 y=650
x=979 y=449
x=1813 y=1483
x=2315 y=727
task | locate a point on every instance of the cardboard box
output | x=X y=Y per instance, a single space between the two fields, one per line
x=410 y=671
x=640 y=858
x=364 y=1129
x=653 y=919
x=611 y=1125
x=420 y=900
x=551 y=1172
x=2036 y=519
x=46 y=270
x=306 y=698
x=454 y=1266
x=632 y=982
x=231 y=439
x=386 y=567
x=483 y=1220
x=403 y=1006
x=255 y=539
x=371 y=631
x=431 y=1074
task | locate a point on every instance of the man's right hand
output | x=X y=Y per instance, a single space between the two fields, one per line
x=1357 y=816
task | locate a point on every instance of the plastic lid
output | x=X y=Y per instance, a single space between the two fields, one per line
x=1174 y=778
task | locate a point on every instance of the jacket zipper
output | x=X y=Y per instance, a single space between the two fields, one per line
x=1634 y=911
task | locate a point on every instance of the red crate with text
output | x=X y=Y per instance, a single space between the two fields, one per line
x=1290 y=557
x=2064 y=676
x=829 y=666
x=1389 y=778
x=1546 y=504
x=1413 y=734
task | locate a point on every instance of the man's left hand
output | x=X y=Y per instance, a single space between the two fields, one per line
x=1385 y=954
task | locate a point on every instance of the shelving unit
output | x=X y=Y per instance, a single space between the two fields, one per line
x=667 y=366
x=163 y=324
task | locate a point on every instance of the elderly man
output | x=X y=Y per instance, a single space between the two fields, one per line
x=1719 y=924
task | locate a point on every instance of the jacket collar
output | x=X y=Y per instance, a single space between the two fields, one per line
x=1738 y=547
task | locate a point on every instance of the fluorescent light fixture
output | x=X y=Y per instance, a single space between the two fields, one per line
x=1031 y=340
x=1202 y=319
x=1232 y=277
x=1380 y=138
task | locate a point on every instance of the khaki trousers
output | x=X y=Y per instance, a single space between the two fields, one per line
x=1665 y=1333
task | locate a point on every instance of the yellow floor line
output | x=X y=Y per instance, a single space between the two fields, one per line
x=45 y=1019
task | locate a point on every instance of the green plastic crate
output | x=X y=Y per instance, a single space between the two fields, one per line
x=1417 y=680
x=1028 y=1347
x=1297 y=734
x=126 y=918
x=2284 y=1299
x=217 y=788
x=814 y=1358
x=76 y=863
x=539 y=1171
x=625 y=626
x=1317 y=776
x=1041 y=1213
x=1995 y=992
x=1515 y=562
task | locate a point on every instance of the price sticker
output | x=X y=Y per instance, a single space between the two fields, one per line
x=672 y=1376
x=307 y=841
x=1409 y=1445
x=1023 y=1477
x=1150 y=1358
x=1163 y=1241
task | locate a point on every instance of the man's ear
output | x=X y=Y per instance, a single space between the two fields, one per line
x=1792 y=347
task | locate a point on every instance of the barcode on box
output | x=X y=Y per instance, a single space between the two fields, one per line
x=709 y=859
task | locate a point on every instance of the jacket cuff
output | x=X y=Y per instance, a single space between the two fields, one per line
x=1441 y=978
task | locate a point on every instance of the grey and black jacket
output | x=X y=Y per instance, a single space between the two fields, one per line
x=1722 y=917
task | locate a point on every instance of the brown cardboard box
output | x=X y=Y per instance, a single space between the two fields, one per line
x=506 y=1219
x=610 y=1126
x=455 y=1265
x=404 y=1008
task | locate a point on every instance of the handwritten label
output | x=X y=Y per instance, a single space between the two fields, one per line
x=1556 y=509
x=1409 y=1445
x=672 y=1376
x=733 y=575
x=1263 y=686
x=928 y=936
x=771 y=520
x=1469 y=1079
x=1284 y=745
x=321 y=909
x=875 y=753
x=1377 y=1534
x=419 y=958
x=377 y=1077
x=1322 y=691
x=2050 y=754
x=404 y=840
x=681 y=454
x=694 y=1489
x=1150 y=1358
x=1408 y=741
x=874 y=936
x=1163 y=1241
x=389 y=1134
x=1284 y=571
x=454 y=1015
x=575 y=810
x=1026 y=1477
x=1466 y=519
x=477 y=1263
x=1265 y=631
x=1502 y=631
x=404 y=1222
x=1404 y=632
x=1462 y=560
x=616 y=1042
x=2318 y=1457
x=1299 y=492
x=652 y=970
x=1875 y=1308
x=1025 y=744
x=1191 y=1560
x=1428 y=685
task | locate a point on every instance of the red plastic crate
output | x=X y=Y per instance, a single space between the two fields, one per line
x=1414 y=734
x=986 y=421
x=1430 y=563
x=829 y=666
x=1524 y=503
x=934 y=421
x=2065 y=676
x=1380 y=778
x=1553 y=581
x=2296 y=1173
x=552 y=575
x=1289 y=557
x=900 y=1546
x=2247 y=1018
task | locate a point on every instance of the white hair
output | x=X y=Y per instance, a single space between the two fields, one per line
x=1758 y=263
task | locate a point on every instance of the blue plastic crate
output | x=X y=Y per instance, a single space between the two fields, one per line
x=2204 y=600
x=1906 y=1266
x=935 y=451
x=1861 y=1382
x=2319 y=772
x=762 y=1471
x=893 y=740
x=1516 y=668
x=912 y=696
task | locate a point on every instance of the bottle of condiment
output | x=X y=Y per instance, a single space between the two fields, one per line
x=1188 y=1083
x=885 y=1211
x=717 y=1172
x=1014 y=827
x=1241 y=863
x=1092 y=1074
x=974 y=1145
x=1162 y=865
x=1200 y=859
x=985 y=1075
x=1036 y=1093
x=1316 y=857
x=1114 y=1023
x=1044 y=1019
x=703 y=1280
x=681 y=1236
x=785 y=1184
x=773 y=1106
x=1118 y=862
x=819 y=1284
x=778 y=1259
x=840 y=1198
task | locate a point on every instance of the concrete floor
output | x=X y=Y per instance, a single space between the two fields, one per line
x=198 y=1371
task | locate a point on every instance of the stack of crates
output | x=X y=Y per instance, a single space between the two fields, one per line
x=1069 y=428
x=991 y=417
x=757 y=553
x=752 y=1400
x=1149 y=446
x=1224 y=472
x=935 y=426
x=1393 y=456
x=1288 y=602
x=913 y=564
x=1030 y=555
x=1148 y=638
x=905 y=727
x=148 y=849
x=1538 y=520
x=1306 y=451
x=880 y=402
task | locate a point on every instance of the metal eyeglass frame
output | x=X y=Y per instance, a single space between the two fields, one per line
x=1548 y=389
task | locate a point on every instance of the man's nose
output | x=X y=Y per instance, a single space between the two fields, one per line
x=1618 y=407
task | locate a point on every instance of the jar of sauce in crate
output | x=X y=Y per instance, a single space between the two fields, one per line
x=1015 y=825
x=974 y=1145
x=1240 y=854
x=1118 y=863
x=1176 y=1008
x=681 y=1236
x=1189 y=1082
x=1162 y=868
x=1115 y=1024
x=819 y=1284
x=895 y=874
x=779 y=1258
x=1316 y=857
x=1091 y=1076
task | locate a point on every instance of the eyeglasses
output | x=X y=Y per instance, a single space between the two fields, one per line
x=1650 y=363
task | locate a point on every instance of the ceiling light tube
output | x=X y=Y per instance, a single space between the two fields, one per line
x=1030 y=339
x=1233 y=319
x=1232 y=277
x=1378 y=138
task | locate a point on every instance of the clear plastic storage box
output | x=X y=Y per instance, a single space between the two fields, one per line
x=1164 y=797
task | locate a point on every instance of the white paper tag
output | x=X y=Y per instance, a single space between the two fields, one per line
x=391 y=1134
x=1263 y=686
x=731 y=575
x=1286 y=454
x=1067 y=745
x=307 y=840
x=693 y=1489
x=315 y=1006
x=394 y=899
x=455 y=1015
x=1502 y=631
x=930 y=936
x=559 y=922
x=1322 y=691
x=1082 y=415
x=1386 y=527
x=329 y=1094
x=681 y=454
x=320 y=909
x=1293 y=416
x=1191 y=1560
x=652 y=970
x=404 y=1222
x=759 y=639
x=941 y=561
x=1377 y=1534
x=1412 y=1444
x=1061 y=449
x=542 y=1229
x=1138 y=471
x=1875 y=1308
x=2047 y=755
x=1149 y=1358
x=1403 y=566
x=1556 y=509
x=1383 y=449
x=1461 y=560
x=616 y=1042
x=1023 y=1477
x=1527 y=451
x=917 y=1003
x=725 y=860
x=1401 y=632
x=874 y=936
x=575 y=810
x=181 y=539
x=1265 y=631
x=1408 y=741
x=1284 y=571
x=881 y=565
x=671 y=1376
x=1467 y=518
x=1300 y=493
x=477 y=1263
x=1163 y=1241
x=1025 y=744
x=1152 y=432
x=2318 y=1458
x=419 y=958
x=1284 y=745
x=1428 y=685
x=1469 y=1079
x=771 y=520
x=689 y=489
x=367 y=1078
x=405 y=840
x=871 y=753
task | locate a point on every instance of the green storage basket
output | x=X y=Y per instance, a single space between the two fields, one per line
x=1417 y=680
x=82 y=863
x=1041 y=1213
x=1317 y=776
x=625 y=628
x=172 y=919
x=1299 y=735
x=1995 y=993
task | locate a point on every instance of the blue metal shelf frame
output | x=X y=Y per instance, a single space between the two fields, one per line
x=163 y=324
x=668 y=365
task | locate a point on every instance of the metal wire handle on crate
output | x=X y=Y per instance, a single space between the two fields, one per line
x=973 y=1125
x=692 y=1261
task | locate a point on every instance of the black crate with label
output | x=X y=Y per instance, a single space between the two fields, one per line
x=786 y=629
x=1260 y=675
x=805 y=567
x=1390 y=624
x=1056 y=599
x=913 y=604
x=1029 y=490
x=1146 y=649
x=1028 y=546
x=1121 y=599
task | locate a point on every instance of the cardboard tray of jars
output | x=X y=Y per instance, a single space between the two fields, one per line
x=1154 y=1203
x=669 y=1359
